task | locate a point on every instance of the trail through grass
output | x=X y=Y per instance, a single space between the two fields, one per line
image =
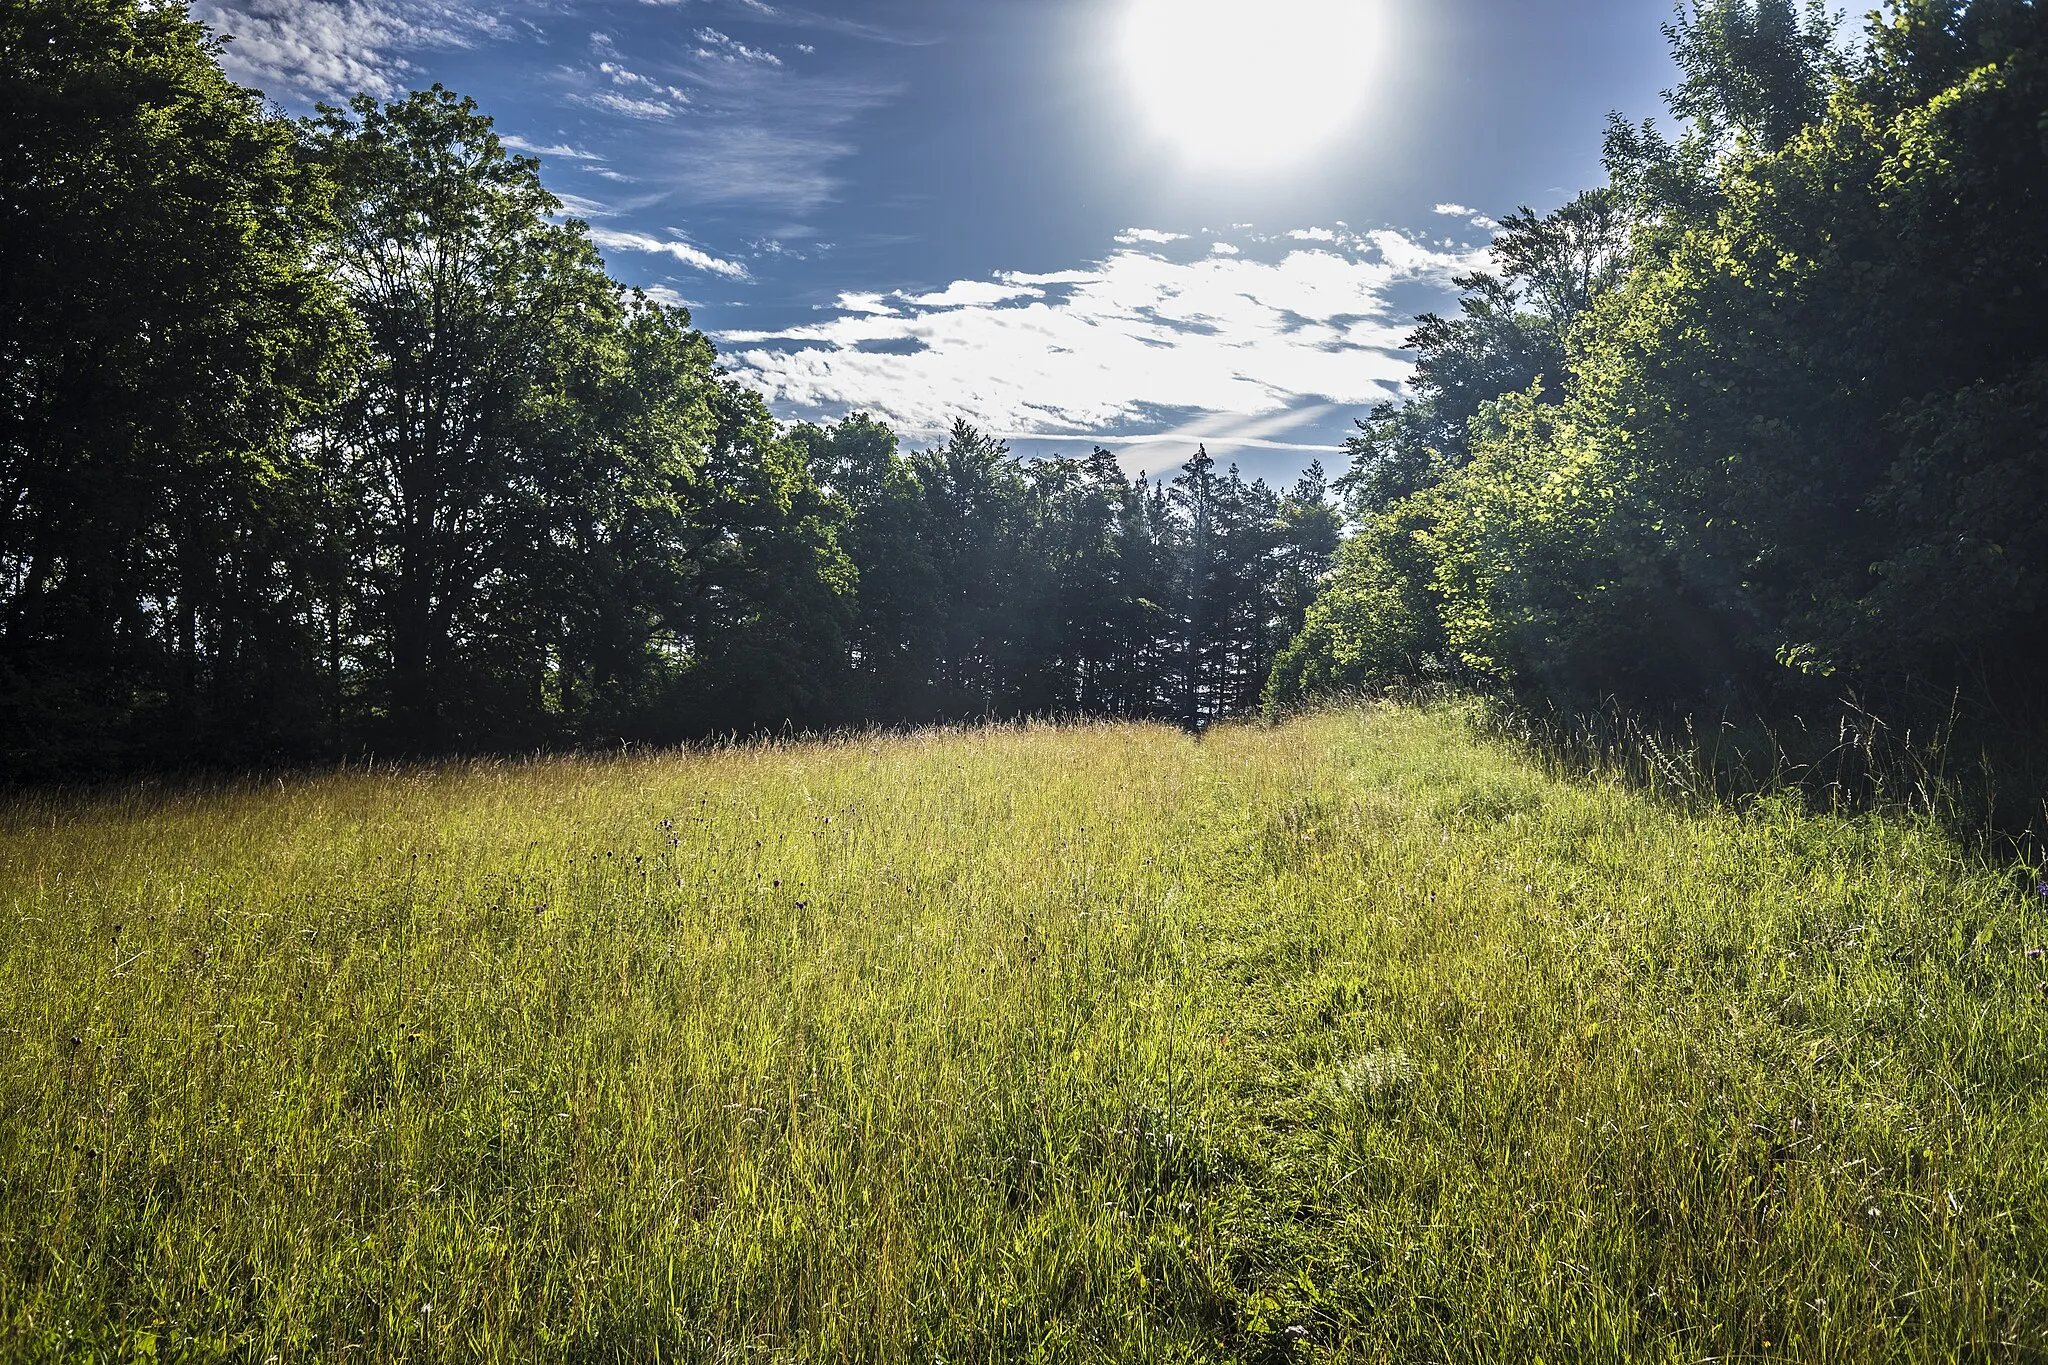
x=1356 y=1038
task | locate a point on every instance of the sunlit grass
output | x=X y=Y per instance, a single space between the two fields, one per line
x=1354 y=1038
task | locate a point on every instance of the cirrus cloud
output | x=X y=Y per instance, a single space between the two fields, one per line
x=321 y=48
x=697 y=259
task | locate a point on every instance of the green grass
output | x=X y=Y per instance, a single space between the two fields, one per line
x=1355 y=1038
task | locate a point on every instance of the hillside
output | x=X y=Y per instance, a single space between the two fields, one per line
x=1354 y=1038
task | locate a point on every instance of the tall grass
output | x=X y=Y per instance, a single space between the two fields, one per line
x=1354 y=1038
x=1982 y=776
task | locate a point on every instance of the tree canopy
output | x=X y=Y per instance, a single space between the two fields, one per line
x=1755 y=421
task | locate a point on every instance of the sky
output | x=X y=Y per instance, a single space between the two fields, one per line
x=1140 y=224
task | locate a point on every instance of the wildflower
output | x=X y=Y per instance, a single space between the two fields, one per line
x=2036 y=952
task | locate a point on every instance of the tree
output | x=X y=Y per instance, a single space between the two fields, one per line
x=1194 y=497
x=1310 y=530
x=1087 y=609
x=976 y=509
x=763 y=636
x=1755 y=71
x=162 y=330
x=893 y=639
x=603 y=563
x=478 y=311
x=1511 y=331
x=1796 y=415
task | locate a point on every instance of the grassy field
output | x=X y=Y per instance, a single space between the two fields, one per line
x=1355 y=1038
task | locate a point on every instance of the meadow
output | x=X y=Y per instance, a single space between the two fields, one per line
x=1360 y=1037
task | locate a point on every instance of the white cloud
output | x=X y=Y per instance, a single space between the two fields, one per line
x=1474 y=216
x=763 y=134
x=1222 y=341
x=1133 y=236
x=559 y=149
x=327 y=48
x=1224 y=249
x=866 y=303
x=613 y=240
x=1314 y=234
x=629 y=79
x=613 y=102
x=580 y=207
x=1221 y=432
x=662 y=294
x=975 y=293
x=717 y=46
x=782 y=166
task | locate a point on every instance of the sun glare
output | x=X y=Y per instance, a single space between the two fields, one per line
x=1250 y=82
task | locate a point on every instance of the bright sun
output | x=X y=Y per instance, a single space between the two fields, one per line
x=1250 y=82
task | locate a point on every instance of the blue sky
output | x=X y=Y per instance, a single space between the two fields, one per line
x=1013 y=211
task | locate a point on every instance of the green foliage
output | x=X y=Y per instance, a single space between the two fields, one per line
x=1376 y=625
x=1310 y=531
x=993 y=586
x=1795 y=414
x=337 y=436
x=1754 y=70
x=485 y=323
x=767 y=618
x=1354 y=1039
x=162 y=332
x=1509 y=335
x=331 y=435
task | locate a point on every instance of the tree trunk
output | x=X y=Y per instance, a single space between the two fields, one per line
x=414 y=710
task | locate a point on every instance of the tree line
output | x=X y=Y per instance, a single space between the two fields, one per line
x=1756 y=424
x=333 y=434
